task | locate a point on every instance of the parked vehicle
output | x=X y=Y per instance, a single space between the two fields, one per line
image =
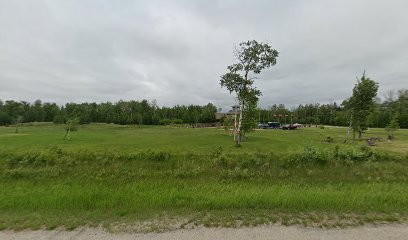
x=289 y=127
x=263 y=126
x=274 y=125
x=277 y=125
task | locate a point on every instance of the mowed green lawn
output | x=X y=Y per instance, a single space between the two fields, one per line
x=115 y=175
x=134 y=138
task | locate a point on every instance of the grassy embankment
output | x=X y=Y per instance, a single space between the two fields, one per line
x=121 y=174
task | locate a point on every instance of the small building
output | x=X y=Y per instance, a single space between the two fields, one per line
x=235 y=109
x=219 y=115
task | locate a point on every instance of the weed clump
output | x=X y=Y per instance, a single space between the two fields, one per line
x=309 y=157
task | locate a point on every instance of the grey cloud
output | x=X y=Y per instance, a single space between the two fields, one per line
x=175 y=51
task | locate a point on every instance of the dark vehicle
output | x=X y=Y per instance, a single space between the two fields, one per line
x=289 y=127
x=274 y=125
x=263 y=125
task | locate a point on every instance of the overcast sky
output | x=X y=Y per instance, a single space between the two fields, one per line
x=175 y=51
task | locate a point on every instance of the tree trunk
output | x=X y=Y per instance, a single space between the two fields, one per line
x=67 y=137
x=360 y=133
x=239 y=135
x=349 y=128
x=241 y=117
x=354 y=134
x=235 y=127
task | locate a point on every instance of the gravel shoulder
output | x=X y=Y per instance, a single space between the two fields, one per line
x=264 y=232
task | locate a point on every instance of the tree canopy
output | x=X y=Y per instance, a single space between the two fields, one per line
x=121 y=112
x=361 y=104
x=252 y=58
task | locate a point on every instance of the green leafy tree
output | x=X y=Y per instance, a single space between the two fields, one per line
x=402 y=108
x=5 y=119
x=18 y=121
x=70 y=126
x=392 y=126
x=251 y=117
x=252 y=59
x=361 y=104
x=227 y=122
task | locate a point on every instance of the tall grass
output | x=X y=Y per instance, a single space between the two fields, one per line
x=93 y=186
x=124 y=173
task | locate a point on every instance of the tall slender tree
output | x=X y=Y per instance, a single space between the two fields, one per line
x=361 y=104
x=252 y=59
x=70 y=126
x=391 y=127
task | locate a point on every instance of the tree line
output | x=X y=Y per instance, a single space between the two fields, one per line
x=148 y=113
x=122 y=112
x=395 y=105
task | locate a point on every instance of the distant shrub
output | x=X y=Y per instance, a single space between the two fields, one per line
x=170 y=121
x=165 y=121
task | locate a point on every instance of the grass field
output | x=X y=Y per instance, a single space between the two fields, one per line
x=113 y=175
x=134 y=138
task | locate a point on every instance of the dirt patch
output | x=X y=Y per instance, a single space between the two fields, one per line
x=263 y=232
